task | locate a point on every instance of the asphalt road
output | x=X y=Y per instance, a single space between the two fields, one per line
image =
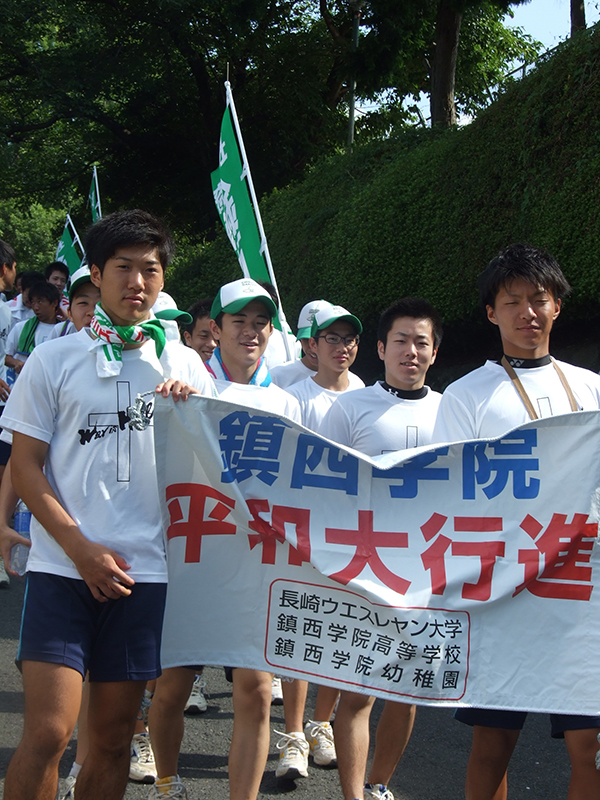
x=433 y=766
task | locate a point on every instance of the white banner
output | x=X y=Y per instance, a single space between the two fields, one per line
x=458 y=575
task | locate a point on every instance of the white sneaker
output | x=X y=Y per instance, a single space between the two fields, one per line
x=171 y=789
x=141 y=765
x=196 y=703
x=377 y=792
x=293 y=756
x=4 y=579
x=319 y=736
x=66 y=788
x=276 y=692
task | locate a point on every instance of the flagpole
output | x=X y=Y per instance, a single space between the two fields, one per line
x=264 y=247
x=76 y=235
x=97 y=192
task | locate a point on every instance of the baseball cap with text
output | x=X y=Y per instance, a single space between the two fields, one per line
x=234 y=296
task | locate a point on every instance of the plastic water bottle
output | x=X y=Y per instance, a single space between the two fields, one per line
x=19 y=552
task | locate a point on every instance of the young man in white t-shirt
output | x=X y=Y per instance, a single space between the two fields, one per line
x=57 y=273
x=333 y=343
x=83 y=462
x=286 y=375
x=8 y=271
x=20 y=307
x=241 y=323
x=394 y=414
x=521 y=291
x=335 y=335
x=198 y=334
x=45 y=300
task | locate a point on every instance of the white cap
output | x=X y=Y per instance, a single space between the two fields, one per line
x=236 y=295
x=305 y=319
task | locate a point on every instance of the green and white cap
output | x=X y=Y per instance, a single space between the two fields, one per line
x=236 y=295
x=81 y=275
x=330 y=314
x=305 y=319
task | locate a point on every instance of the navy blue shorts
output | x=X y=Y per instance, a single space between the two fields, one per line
x=118 y=640
x=514 y=720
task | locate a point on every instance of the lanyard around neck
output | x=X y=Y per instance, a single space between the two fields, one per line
x=525 y=397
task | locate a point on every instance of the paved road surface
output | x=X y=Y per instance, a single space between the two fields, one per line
x=433 y=767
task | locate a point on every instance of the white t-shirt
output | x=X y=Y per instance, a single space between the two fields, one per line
x=285 y=375
x=485 y=403
x=103 y=471
x=5 y=326
x=374 y=421
x=19 y=312
x=263 y=398
x=276 y=354
x=314 y=401
x=62 y=329
x=43 y=332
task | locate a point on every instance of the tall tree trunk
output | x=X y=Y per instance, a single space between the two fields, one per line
x=577 y=16
x=443 y=70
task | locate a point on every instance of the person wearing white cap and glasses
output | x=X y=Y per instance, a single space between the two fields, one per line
x=335 y=334
x=241 y=323
x=286 y=375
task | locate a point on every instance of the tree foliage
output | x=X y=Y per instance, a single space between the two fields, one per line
x=137 y=87
x=423 y=212
x=33 y=232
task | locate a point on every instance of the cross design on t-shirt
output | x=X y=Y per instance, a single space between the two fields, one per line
x=104 y=422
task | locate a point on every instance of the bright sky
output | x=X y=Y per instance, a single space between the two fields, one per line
x=549 y=21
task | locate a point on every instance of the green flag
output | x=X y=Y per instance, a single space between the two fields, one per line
x=67 y=250
x=232 y=199
x=94 y=197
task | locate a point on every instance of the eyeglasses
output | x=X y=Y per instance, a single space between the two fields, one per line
x=333 y=338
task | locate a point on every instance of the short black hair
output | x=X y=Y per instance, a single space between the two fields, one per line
x=57 y=266
x=531 y=264
x=416 y=308
x=127 y=229
x=7 y=254
x=46 y=290
x=29 y=279
x=271 y=290
x=198 y=310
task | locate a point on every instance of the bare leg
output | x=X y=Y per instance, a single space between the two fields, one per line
x=251 y=736
x=488 y=762
x=325 y=703
x=393 y=733
x=52 y=700
x=165 y=718
x=351 y=729
x=83 y=742
x=294 y=700
x=111 y=721
x=585 y=778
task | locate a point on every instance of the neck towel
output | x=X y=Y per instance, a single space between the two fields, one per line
x=216 y=368
x=111 y=339
x=27 y=336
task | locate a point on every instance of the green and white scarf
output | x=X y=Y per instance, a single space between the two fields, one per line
x=111 y=339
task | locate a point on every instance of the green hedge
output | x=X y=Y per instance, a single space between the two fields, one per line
x=423 y=212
